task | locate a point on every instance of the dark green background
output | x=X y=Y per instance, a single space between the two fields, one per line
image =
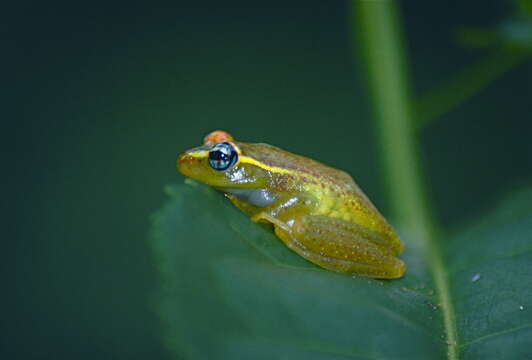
x=99 y=99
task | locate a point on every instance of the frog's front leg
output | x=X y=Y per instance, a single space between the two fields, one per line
x=335 y=245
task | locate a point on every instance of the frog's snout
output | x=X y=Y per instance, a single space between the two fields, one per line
x=185 y=164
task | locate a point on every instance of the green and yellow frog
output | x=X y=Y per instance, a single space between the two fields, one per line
x=317 y=211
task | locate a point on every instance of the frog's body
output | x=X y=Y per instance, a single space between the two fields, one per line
x=317 y=211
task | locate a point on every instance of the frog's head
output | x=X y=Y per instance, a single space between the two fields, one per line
x=221 y=162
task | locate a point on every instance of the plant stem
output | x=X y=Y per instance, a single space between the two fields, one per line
x=386 y=70
x=381 y=39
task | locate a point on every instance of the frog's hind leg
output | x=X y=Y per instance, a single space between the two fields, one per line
x=335 y=245
x=387 y=240
x=347 y=247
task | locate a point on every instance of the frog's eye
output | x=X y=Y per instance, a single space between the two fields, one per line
x=223 y=156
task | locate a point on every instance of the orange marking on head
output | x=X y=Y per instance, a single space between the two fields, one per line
x=217 y=136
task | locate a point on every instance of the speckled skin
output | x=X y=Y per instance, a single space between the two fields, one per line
x=319 y=212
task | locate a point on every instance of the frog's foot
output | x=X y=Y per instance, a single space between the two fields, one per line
x=336 y=245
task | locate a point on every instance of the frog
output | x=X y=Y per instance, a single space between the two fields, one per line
x=317 y=211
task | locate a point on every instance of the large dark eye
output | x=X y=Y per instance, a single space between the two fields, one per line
x=222 y=156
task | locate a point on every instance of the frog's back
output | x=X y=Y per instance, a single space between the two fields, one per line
x=275 y=157
x=339 y=195
x=321 y=175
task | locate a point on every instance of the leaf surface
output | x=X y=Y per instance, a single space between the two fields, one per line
x=230 y=289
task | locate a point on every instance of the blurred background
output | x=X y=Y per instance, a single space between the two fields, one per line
x=100 y=98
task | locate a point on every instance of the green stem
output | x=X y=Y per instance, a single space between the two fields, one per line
x=467 y=83
x=381 y=39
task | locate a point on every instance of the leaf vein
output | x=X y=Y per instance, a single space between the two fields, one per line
x=495 y=334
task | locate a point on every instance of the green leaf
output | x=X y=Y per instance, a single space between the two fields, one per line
x=231 y=290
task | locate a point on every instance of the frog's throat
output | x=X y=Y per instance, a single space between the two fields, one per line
x=257 y=197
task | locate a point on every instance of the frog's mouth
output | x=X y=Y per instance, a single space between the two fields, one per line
x=259 y=197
